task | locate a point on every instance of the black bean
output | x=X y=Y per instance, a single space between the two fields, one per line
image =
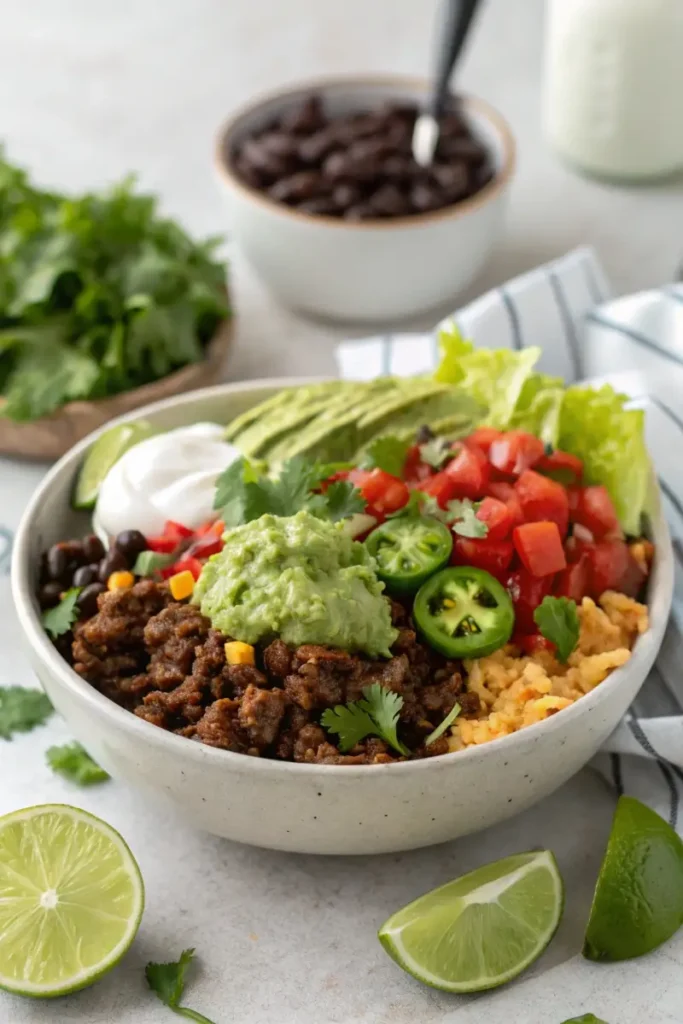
x=454 y=179
x=57 y=562
x=49 y=594
x=389 y=201
x=345 y=195
x=425 y=197
x=306 y=118
x=316 y=147
x=93 y=548
x=85 y=574
x=130 y=543
x=298 y=187
x=322 y=205
x=87 y=599
x=112 y=562
x=360 y=211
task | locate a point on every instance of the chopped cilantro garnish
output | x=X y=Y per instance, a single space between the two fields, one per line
x=386 y=453
x=61 y=618
x=436 y=452
x=167 y=981
x=75 y=763
x=375 y=715
x=21 y=710
x=558 y=620
x=463 y=519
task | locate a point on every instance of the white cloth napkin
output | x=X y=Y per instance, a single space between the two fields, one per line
x=634 y=343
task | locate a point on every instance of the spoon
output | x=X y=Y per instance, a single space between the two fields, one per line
x=456 y=16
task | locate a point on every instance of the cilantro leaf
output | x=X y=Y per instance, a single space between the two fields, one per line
x=587 y=1018
x=463 y=517
x=375 y=715
x=167 y=981
x=436 y=452
x=149 y=562
x=61 y=618
x=75 y=763
x=22 y=709
x=442 y=726
x=420 y=504
x=558 y=620
x=343 y=500
x=386 y=453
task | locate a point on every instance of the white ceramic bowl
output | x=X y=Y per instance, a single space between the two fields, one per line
x=375 y=270
x=302 y=807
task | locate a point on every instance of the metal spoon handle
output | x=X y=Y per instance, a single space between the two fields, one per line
x=456 y=19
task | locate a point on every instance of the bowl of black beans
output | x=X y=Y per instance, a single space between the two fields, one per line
x=332 y=211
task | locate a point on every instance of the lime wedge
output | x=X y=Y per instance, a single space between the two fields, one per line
x=71 y=899
x=481 y=930
x=638 y=901
x=107 y=449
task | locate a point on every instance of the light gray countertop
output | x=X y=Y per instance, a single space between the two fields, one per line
x=90 y=91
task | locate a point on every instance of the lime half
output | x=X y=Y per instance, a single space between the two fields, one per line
x=638 y=901
x=71 y=899
x=107 y=449
x=481 y=930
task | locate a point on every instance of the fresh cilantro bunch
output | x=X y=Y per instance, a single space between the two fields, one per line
x=98 y=294
x=242 y=495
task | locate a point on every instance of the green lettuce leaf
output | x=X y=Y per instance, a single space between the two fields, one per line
x=539 y=406
x=610 y=439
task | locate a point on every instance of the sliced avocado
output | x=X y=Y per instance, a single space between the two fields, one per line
x=450 y=413
x=273 y=406
x=302 y=406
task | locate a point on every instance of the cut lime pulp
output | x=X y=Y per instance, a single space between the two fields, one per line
x=71 y=899
x=638 y=901
x=481 y=930
x=107 y=449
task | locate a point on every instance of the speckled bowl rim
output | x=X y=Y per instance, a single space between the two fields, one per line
x=644 y=652
x=323 y=85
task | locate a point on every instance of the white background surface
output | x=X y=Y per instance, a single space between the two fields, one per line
x=89 y=91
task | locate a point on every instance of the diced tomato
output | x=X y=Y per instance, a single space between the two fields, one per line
x=414 y=469
x=531 y=643
x=193 y=565
x=163 y=545
x=497 y=517
x=542 y=499
x=341 y=474
x=507 y=493
x=574 y=581
x=215 y=526
x=527 y=592
x=595 y=510
x=492 y=555
x=469 y=471
x=613 y=567
x=177 y=530
x=204 y=547
x=440 y=486
x=564 y=466
x=483 y=437
x=539 y=545
x=515 y=451
x=383 y=492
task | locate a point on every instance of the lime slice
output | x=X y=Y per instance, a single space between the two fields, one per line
x=71 y=899
x=107 y=449
x=481 y=930
x=638 y=901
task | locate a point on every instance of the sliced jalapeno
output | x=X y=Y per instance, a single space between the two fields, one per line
x=464 y=612
x=408 y=551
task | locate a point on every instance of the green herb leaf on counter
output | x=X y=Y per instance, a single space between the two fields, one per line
x=75 y=763
x=61 y=618
x=387 y=453
x=167 y=981
x=149 y=562
x=22 y=709
x=375 y=715
x=558 y=620
x=587 y=1018
x=462 y=515
x=442 y=726
x=436 y=452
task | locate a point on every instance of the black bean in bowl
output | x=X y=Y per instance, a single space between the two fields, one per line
x=359 y=166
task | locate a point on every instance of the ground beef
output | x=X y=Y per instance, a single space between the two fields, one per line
x=163 y=660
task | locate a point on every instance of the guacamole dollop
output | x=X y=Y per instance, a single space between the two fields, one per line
x=299 y=578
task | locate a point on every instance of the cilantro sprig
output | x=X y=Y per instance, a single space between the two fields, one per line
x=436 y=452
x=242 y=495
x=558 y=620
x=461 y=516
x=167 y=981
x=22 y=709
x=387 y=453
x=375 y=715
x=74 y=763
x=61 y=618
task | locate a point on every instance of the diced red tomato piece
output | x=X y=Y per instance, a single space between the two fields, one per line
x=497 y=517
x=469 y=471
x=527 y=592
x=383 y=492
x=414 y=469
x=492 y=555
x=215 y=526
x=515 y=451
x=163 y=545
x=613 y=567
x=177 y=530
x=542 y=499
x=193 y=565
x=539 y=545
x=440 y=486
x=574 y=581
x=205 y=546
x=595 y=510
x=568 y=467
x=507 y=493
x=483 y=437
x=531 y=643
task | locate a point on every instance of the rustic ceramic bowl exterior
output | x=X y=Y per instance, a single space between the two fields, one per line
x=375 y=270
x=316 y=808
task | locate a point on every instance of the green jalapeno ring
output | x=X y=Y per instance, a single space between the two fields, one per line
x=408 y=551
x=464 y=612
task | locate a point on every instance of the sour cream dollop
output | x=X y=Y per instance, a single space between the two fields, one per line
x=169 y=476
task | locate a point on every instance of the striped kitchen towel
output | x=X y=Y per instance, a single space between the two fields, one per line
x=634 y=343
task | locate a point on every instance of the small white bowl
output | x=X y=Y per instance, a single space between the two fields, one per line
x=311 y=808
x=368 y=271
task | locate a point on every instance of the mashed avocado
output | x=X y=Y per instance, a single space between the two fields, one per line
x=298 y=578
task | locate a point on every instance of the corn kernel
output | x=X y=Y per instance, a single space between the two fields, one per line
x=120 y=580
x=238 y=653
x=447 y=603
x=181 y=585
